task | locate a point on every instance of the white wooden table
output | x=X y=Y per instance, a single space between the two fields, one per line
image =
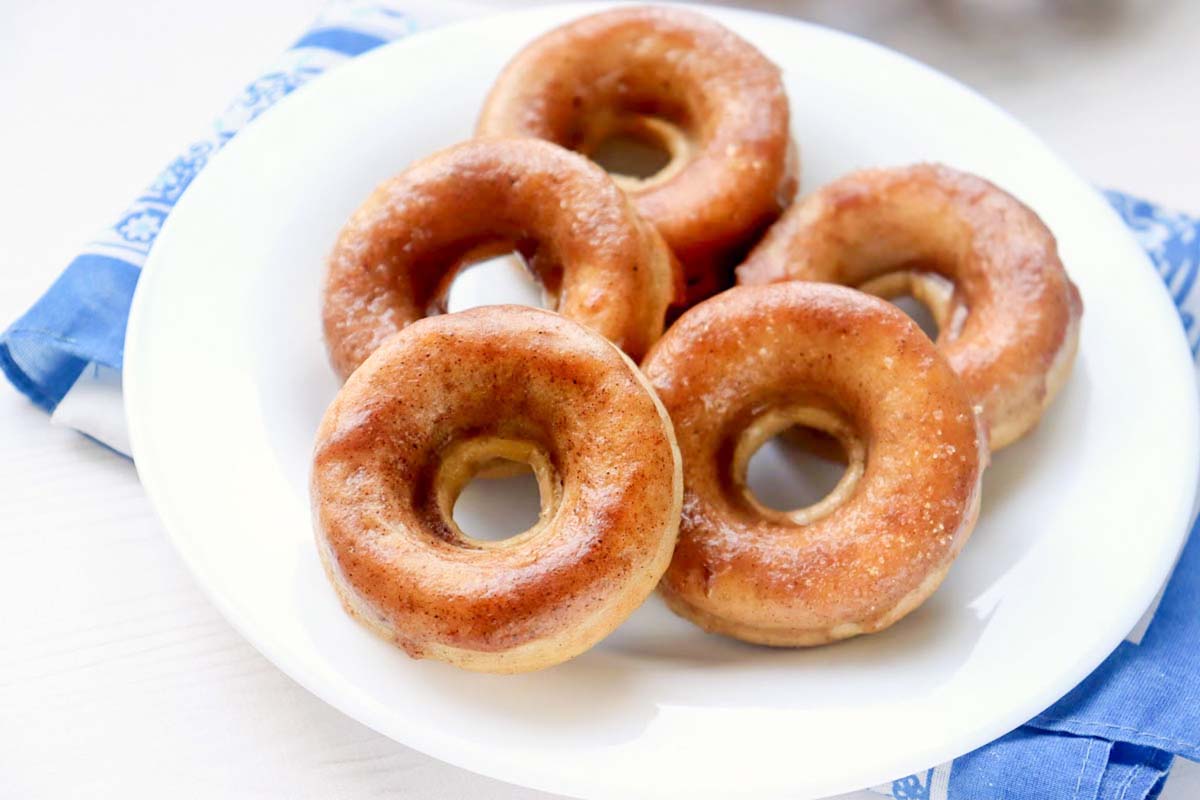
x=117 y=678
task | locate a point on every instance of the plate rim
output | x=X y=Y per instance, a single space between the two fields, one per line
x=355 y=704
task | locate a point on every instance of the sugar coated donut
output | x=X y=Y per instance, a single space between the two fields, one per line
x=433 y=405
x=752 y=361
x=984 y=263
x=395 y=259
x=687 y=85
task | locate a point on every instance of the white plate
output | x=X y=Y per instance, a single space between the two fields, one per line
x=226 y=379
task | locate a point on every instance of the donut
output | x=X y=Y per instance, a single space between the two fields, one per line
x=431 y=406
x=395 y=259
x=985 y=265
x=684 y=84
x=735 y=370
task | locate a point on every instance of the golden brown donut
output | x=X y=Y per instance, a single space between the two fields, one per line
x=984 y=263
x=422 y=415
x=395 y=259
x=752 y=361
x=684 y=83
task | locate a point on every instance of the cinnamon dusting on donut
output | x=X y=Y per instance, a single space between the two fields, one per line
x=439 y=400
x=735 y=368
x=1010 y=325
x=395 y=258
x=678 y=78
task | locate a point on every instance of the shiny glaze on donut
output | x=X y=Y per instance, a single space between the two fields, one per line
x=394 y=260
x=985 y=263
x=684 y=82
x=740 y=367
x=431 y=407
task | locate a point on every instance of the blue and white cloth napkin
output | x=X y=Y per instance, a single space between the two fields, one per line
x=1113 y=737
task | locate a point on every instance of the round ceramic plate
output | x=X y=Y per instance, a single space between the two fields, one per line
x=226 y=379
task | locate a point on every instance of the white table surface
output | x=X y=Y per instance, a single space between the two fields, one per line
x=117 y=678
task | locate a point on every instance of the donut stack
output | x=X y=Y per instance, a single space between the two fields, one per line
x=639 y=429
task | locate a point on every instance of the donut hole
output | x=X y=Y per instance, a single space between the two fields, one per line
x=797 y=464
x=928 y=298
x=630 y=155
x=490 y=276
x=796 y=468
x=492 y=490
x=501 y=501
x=919 y=313
x=638 y=150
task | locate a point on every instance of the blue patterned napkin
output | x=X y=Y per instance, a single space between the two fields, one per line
x=1113 y=737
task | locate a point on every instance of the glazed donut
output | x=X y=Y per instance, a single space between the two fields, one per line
x=395 y=259
x=752 y=361
x=422 y=415
x=681 y=82
x=984 y=263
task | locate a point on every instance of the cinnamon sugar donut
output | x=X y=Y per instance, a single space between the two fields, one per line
x=422 y=415
x=752 y=361
x=395 y=259
x=683 y=83
x=984 y=263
